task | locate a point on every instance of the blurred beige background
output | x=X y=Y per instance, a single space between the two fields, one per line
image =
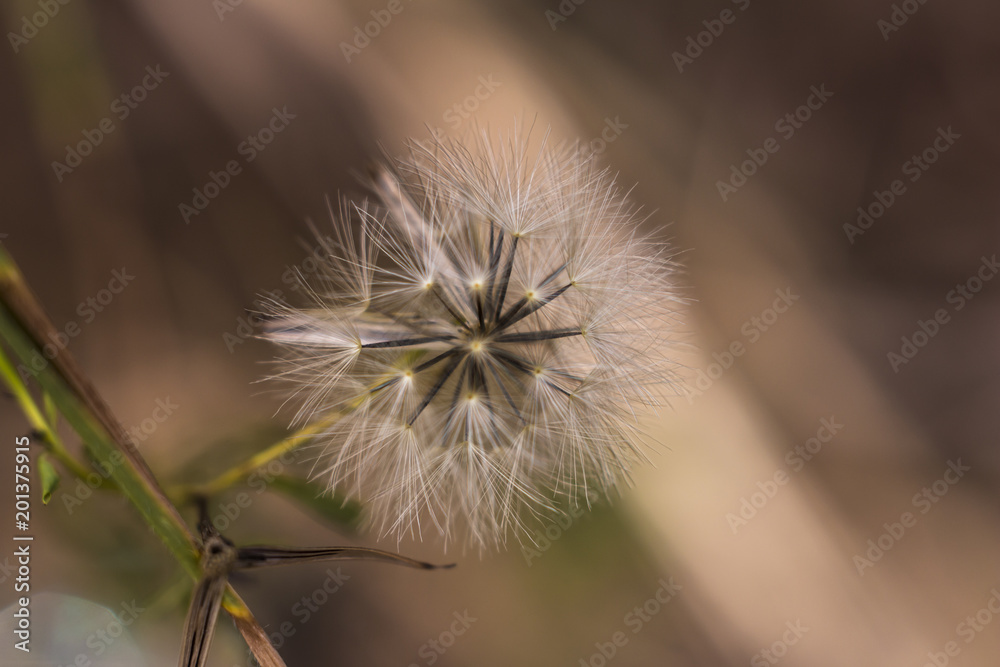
x=793 y=321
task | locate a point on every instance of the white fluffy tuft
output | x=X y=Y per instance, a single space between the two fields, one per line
x=489 y=328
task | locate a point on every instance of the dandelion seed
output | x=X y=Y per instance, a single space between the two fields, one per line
x=489 y=335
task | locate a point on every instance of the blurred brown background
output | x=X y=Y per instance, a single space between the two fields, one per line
x=783 y=576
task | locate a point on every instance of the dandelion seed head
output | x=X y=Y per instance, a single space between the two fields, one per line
x=490 y=328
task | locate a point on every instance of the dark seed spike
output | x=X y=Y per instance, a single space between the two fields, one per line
x=454 y=313
x=411 y=322
x=557 y=387
x=505 y=281
x=506 y=394
x=525 y=367
x=497 y=251
x=462 y=372
x=513 y=360
x=541 y=303
x=564 y=374
x=263 y=556
x=403 y=342
x=535 y=336
x=445 y=374
x=383 y=385
x=552 y=276
x=482 y=381
x=477 y=297
x=513 y=310
x=494 y=266
x=430 y=362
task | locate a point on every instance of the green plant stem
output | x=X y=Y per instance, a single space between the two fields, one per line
x=242 y=470
x=24 y=327
x=51 y=440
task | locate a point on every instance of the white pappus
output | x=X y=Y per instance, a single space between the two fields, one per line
x=484 y=333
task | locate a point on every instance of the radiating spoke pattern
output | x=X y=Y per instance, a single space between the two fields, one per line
x=490 y=334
